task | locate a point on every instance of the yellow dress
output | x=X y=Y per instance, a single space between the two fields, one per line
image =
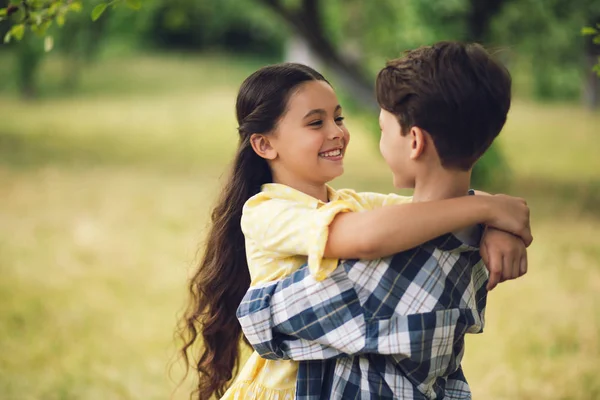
x=284 y=229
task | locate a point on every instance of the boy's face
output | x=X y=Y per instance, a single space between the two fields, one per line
x=396 y=150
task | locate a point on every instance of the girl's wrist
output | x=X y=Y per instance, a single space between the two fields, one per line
x=485 y=208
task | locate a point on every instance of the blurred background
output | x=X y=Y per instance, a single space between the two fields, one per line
x=114 y=144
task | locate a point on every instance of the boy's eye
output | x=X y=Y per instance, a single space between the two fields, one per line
x=316 y=123
x=339 y=120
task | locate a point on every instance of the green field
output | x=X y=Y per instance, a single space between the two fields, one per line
x=104 y=198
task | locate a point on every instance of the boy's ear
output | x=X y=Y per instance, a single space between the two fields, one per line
x=417 y=142
x=262 y=146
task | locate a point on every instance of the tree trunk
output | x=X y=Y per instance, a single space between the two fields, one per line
x=479 y=18
x=591 y=89
x=307 y=23
x=29 y=58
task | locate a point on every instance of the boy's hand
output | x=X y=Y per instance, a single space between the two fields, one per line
x=510 y=214
x=504 y=255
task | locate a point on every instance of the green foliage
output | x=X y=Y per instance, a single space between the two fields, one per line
x=594 y=32
x=492 y=170
x=39 y=15
x=134 y=4
x=539 y=39
x=542 y=38
x=98 y=11
x=239 y=26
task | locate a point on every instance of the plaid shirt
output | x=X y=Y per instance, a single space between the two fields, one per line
x=387 y=329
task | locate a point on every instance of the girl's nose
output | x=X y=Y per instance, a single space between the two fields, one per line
x=335 y=132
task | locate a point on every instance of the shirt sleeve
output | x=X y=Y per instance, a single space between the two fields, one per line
x=301 y=319
x=457 y=386
x=372 y=200
x=263 y=305
x=288 y=229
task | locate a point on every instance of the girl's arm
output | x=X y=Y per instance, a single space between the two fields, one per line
x=389 y=230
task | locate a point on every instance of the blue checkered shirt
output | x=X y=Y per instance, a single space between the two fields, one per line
x=383 y=329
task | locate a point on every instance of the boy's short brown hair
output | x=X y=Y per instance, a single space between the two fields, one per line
x=454 y=91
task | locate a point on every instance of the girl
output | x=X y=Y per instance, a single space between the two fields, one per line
x=277 y=213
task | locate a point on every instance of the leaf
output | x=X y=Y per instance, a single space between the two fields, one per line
x=60 y=20
x=2 y=12
x=98 y=11
x=37 y=30
x=15 y=2
x=134 y=4
x=53 y=8
x=18 y=31
x=7 y=37
x=588 y=30
x=40 y=30
x=75 y=6
x=37 y=17
x=48 y=43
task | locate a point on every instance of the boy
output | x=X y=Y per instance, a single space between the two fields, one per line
x=394 y=328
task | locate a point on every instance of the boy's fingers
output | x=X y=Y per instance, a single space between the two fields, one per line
x=511 y=265
x=529 y=237
x=507 y=266
x=484 y=255
x=516 y=267
x=523 y=266
x=495 y=269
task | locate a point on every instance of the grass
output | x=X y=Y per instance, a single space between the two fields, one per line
x=104 y=197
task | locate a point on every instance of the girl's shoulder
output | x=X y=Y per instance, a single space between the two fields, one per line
x=372 y=200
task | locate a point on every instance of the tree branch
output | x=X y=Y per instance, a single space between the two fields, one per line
x=307 y=23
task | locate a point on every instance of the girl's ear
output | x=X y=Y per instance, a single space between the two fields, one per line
x=417 y=142
x=262 y=146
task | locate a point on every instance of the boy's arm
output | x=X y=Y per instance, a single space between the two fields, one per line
x=457 y=386
x=504 y=254
x=300 y=318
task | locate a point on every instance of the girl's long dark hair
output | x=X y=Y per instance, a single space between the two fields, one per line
x=222 y=277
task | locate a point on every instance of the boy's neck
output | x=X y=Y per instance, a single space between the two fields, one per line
x=440 y=184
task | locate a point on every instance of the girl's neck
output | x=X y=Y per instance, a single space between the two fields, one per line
x=316 y=190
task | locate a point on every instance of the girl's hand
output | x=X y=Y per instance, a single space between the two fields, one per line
x=510 y=214
x=504 y=255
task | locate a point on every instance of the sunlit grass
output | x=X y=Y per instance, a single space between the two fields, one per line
x=104 y=198
x=553 y=142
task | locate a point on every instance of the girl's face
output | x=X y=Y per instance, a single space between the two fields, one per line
x=310 y=139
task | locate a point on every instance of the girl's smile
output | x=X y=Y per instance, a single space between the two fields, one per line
x=336 y=154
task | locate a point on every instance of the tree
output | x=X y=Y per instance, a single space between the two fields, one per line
x=308 y=22
x=591 y=92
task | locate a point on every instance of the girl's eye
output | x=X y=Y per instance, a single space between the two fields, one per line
x=339 y=120
x=316 y=123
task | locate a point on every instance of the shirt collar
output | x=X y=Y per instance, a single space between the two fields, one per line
x=279 y=191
